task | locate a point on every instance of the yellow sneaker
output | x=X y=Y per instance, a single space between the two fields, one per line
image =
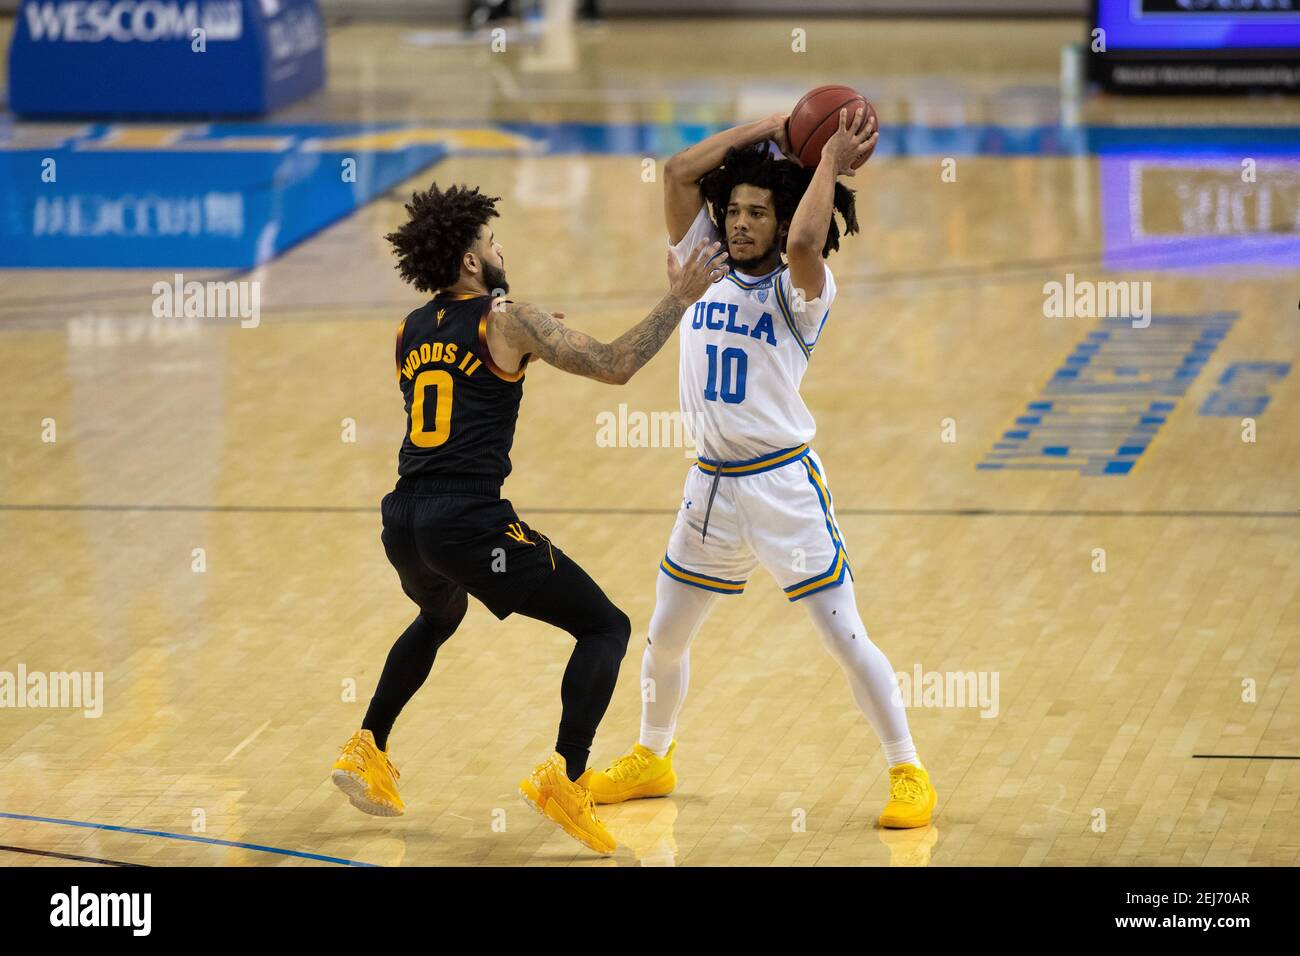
x=638 y=773
x=567 y=803
x=368 y=777
x=911 y=797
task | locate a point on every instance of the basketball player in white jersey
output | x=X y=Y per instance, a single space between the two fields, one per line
x=759 y=493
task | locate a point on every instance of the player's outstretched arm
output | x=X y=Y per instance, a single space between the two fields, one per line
x=683 y=171
x=525 y=328
x=812 y=219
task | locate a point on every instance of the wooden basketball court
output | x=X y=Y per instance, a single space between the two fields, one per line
x=204 y=527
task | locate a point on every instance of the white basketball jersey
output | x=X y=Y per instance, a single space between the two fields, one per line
x=745 y=346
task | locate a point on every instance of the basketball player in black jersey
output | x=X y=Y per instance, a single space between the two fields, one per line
x=447 y=530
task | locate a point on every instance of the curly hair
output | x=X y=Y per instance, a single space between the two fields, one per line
x=441 y=227
x=788 y=181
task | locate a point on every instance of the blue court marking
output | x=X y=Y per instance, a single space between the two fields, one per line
x=188 y=837
x=1103 y=407
x=1243 y=389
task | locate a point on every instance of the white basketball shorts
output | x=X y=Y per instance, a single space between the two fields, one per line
x=775 y=509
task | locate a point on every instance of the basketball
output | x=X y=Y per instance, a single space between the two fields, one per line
x=815 y=118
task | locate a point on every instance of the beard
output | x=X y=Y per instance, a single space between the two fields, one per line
x=753 y=259
x=495 y=278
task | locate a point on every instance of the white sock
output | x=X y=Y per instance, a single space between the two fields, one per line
x=666 y=664
x=900 y=751
x=835 y=613
x=657 y=739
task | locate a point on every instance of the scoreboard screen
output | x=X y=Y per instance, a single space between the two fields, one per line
x=1196 y=45
x=1200 y=24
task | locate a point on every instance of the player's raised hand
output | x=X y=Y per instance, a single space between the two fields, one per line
x=781 y=135
x=703 y=265
x=849 y=146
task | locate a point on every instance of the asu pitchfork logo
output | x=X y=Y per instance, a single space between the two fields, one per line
x=516 y=530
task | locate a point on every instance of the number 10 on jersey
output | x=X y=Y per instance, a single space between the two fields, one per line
x=730 y=368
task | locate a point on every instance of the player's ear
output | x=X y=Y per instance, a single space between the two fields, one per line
x=469 y=262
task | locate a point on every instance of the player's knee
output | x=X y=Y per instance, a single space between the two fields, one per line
x=620 y=628
x=612 y=628
x=445 y=619
x=608 y=627
x=843 y=640
x=665 y=645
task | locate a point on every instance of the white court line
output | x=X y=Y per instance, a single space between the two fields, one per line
x=246 y=741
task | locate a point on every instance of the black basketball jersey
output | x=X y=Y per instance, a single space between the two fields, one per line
x=460 y=407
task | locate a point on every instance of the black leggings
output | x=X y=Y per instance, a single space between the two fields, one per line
x=568 y=599
x=572 y=601
x=408 y=666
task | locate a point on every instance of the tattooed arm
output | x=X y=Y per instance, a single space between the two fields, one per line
x=519 y=328
x=529 y=329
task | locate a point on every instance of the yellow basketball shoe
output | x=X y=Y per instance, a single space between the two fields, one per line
x=368 y=777
x=911 y=797
x=638 y=773
x=567 y=803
